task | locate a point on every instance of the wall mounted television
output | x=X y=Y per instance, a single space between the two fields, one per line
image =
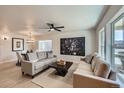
x=72 y=46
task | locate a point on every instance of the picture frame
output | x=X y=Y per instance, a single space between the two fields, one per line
x=72 y=46
x=17 y=44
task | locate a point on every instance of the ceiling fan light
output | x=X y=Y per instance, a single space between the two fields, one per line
x=52 y=29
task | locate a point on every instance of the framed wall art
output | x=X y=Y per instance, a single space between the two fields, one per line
x=72 y=46
x=17 y=44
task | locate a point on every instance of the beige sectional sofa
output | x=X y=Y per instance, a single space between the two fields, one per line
x=94 y=72
x=36 y=62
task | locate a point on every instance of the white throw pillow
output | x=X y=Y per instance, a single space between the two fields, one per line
x=50 y=55
x=41 y=55
x=32 y=57
x=94 y=62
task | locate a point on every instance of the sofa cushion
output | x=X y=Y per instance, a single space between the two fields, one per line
x=88 y=59
x=39 y=65
x=41 y=55
x=32 y=57
x=98 y=60
x=84 y=66
x=102 y=69
x=94 y=61
x=44 y=62
x=94 y=55
x=52 y=59
x=82 y=72
x=50 y=54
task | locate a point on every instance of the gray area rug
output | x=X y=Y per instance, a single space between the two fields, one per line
x=48 y=79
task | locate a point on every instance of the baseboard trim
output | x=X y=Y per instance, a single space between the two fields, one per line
x=12 y=60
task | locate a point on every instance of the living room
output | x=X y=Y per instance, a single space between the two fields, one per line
x=45 y=46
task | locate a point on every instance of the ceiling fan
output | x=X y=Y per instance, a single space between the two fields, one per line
x=53 y=28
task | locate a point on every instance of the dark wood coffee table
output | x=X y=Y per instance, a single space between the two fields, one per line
x=61 y=69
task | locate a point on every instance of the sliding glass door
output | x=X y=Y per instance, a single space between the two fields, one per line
x=118 y=44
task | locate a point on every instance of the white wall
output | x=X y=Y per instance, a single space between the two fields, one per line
x=110 y=16
x=6 y=54
x=55 y=37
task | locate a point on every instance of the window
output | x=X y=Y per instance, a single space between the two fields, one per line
x=118 y=44
x=45 y=45
x=102 y=43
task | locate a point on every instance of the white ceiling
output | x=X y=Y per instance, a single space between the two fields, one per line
x=21 y=18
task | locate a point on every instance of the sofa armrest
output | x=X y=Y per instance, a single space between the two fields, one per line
x=27 y=67
x=89 y=81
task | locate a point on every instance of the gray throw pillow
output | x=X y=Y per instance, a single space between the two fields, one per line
x=32 y=56
x=112 y=75
x=88 y=59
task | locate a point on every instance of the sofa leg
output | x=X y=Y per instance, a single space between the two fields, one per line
x=32 y=76
x=22 y=73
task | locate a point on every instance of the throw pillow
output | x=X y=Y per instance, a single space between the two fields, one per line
x=94 y=62
x=88 y=59
x=112 y=75
x=50 y=54
x=32 y=57
x=41 y=55
x=93 y=56
x=93 y=65
x=98 y=61
x=25 y=57
x=102 y=70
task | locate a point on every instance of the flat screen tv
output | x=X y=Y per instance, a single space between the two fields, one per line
x=72 y=46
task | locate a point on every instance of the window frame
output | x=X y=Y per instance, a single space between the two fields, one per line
x=112 y=38
x=104 y=46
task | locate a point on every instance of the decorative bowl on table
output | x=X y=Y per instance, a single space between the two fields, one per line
x=61 y=62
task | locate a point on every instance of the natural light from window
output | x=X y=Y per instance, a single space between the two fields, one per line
x=45 y=45
x=102 y=43
x=119 y=35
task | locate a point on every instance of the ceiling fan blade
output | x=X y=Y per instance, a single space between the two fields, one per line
x=50 y=25
x=57 y=29
x=60 y=27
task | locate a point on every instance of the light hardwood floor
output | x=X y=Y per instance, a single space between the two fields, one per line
x=11 y=77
